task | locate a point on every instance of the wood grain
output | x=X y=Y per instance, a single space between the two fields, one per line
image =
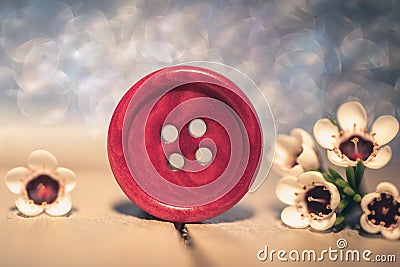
x=106 y=229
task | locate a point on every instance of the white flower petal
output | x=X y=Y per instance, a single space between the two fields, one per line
x=61 y=208
x=323 y=224
x=42 y=159
x=335 y=195
x=324 y=129
x=385 y=129
x=288 y=144
x=382 y=158
x=388 y=187
x=291 y=216
x=69 y=178
x=286 y=189
x=13 y=179
x=368 y=198
x=339 y=161
x=391 y=234
x=286 y=152
x=308 y=178
x=282 y=160
x=28 y=209
x=368 y=227
x=351 y=113
x=295 y=171
x=303 y=137
x=308 y=158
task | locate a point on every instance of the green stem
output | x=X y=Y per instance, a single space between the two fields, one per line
x=351 y=176
x=349 y=190
x=341 y=215
x=358 y=174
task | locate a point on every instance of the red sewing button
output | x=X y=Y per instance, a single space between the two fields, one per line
x=185 y=144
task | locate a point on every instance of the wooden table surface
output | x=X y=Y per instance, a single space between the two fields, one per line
x=106 y=229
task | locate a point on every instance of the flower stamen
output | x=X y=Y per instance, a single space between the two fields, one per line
x=357 y=148
x=385 y=211
x=355 y=141
x=311 y=199
x=318 y=200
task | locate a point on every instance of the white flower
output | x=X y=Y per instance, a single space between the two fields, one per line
x=43 y=186
x=353 y=142
x=295 y=153
x=382 y=211
x=312 y=201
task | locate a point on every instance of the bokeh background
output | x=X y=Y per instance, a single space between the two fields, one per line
x=64 y=65
x=73 y=60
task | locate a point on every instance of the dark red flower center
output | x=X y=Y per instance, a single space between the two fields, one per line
x=43 y=188
x=318 y=200
x=385 y=210
x=356 y=148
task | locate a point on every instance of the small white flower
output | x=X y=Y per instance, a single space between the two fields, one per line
x=295 y=153
x=353 y=142
x=312 y=201
x=382 y=211
x=43 y=186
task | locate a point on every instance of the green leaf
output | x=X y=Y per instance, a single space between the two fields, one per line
x=328 y=178
x=334 y=173
x=339 y=220
x=351 y=176
x=358 y=174
x=341 y=183
x=343 y=203
x=357 y=198
x=348 y=191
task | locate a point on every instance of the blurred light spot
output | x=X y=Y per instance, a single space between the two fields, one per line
x=363 y=54
x=45 y=106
